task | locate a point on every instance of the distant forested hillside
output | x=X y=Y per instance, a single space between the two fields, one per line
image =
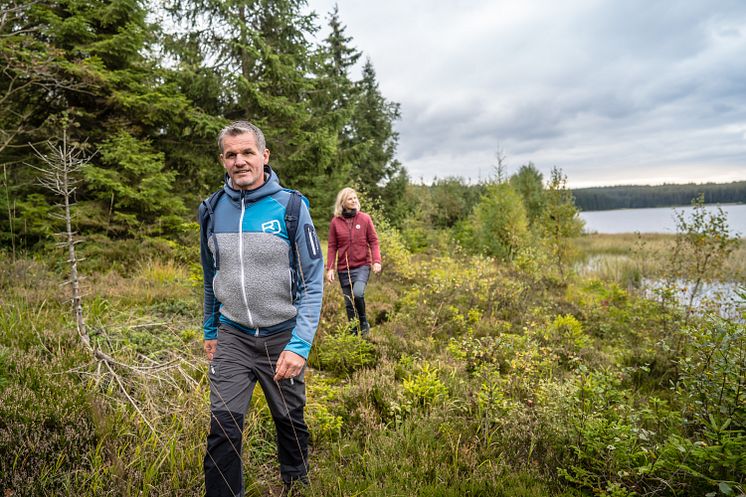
x=639 y=196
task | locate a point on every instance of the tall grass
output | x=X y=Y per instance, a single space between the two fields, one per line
x=625 y=258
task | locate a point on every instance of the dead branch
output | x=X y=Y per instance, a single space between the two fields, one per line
x=129 y=398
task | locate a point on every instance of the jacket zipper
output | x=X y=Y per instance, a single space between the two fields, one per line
x=241 y=261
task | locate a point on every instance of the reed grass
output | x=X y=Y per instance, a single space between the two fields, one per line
x=627 y=257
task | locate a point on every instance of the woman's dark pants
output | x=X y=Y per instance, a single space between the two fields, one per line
x=353 y=282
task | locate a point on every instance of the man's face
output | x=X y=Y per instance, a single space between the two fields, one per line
x=243 y=161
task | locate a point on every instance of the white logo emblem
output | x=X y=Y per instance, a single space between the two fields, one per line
x=272 y=226
x=357 y=226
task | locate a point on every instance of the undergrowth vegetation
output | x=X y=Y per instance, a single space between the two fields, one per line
x=480 y=377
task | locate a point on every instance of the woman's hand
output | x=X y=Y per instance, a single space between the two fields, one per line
x=330 y=276
x=376 y=267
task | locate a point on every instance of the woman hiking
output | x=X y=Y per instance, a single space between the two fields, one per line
x=353 y=251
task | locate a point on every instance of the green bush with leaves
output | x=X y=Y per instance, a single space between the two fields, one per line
x=558 y=223
x=566 y=337
x=710 y=393
x=702 y=246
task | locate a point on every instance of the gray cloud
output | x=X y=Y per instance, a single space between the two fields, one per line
x=612 y=92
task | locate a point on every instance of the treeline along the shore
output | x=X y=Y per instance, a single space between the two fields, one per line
x=641 y=196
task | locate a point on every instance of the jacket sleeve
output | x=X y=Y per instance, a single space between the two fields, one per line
x=331 y=247
x=211 y=305
x=311 y=268
x=375 y=249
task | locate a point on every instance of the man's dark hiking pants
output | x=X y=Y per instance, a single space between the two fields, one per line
x=239 y=362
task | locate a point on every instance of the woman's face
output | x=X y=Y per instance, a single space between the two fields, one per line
x=351 y=202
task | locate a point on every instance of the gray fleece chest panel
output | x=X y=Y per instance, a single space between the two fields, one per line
x=254 y=284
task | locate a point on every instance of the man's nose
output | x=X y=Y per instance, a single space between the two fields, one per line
x=240 y=160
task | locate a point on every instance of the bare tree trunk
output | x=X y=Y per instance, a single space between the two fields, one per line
x=62 y=165
x=74 y=280
x=58 y=175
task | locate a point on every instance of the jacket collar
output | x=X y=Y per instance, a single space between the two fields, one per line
x=270 y=186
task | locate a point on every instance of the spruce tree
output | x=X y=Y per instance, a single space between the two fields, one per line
x=372 y=141
x=261 y=51
x=335 y=97
x=103 y=77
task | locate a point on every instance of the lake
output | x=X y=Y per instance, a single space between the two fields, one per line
x=656 y=220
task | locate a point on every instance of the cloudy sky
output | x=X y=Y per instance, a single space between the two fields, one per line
x=611 y=91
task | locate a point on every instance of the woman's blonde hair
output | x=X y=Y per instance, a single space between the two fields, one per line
x=341 y=197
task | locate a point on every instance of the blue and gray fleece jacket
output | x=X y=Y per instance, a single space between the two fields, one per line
x=256 y=288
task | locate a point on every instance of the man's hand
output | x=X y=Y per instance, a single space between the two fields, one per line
x=210 y=346
x=330 y=276
x=289 y=365
x=376 y=267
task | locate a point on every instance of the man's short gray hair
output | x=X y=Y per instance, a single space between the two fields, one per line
x=240 y=127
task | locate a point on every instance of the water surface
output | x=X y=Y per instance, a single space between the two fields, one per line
x=656 y=220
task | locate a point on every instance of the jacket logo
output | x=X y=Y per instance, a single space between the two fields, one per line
x=357 y=226
x=272 y=227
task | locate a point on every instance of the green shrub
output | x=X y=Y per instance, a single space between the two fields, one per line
x=343 y=352
x=565 y=336
x=710 y=393
x=424 y=388
x=499 y=225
